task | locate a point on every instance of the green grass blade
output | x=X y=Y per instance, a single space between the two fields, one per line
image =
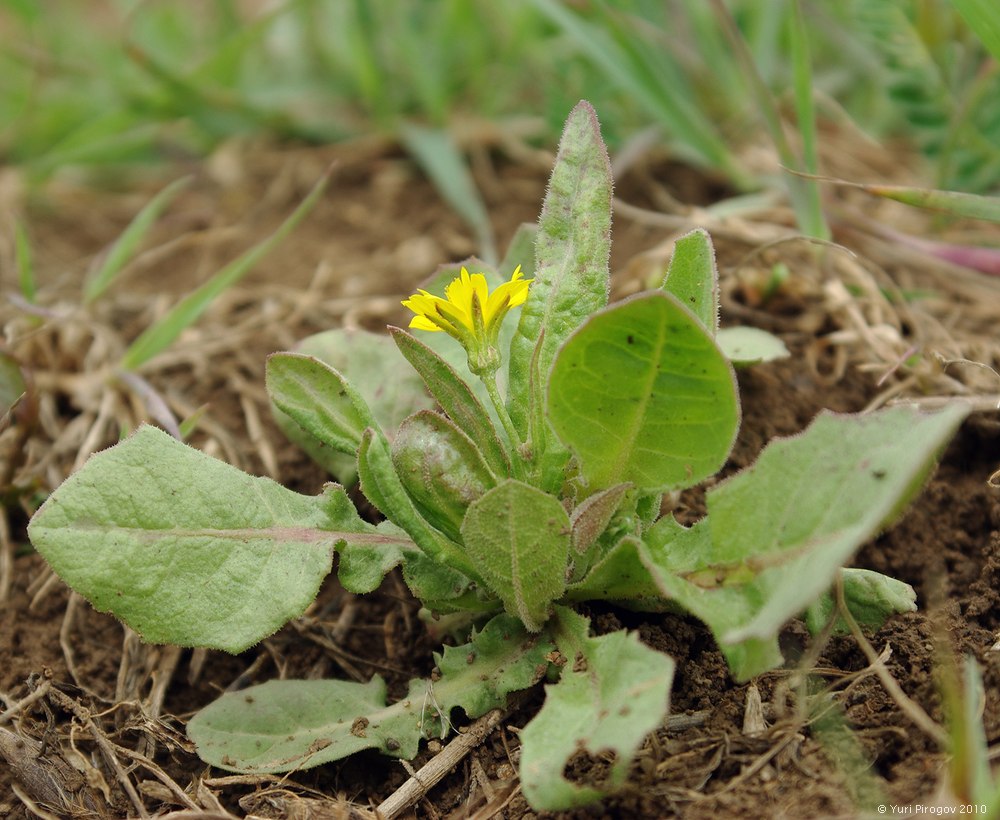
x=669 y=102
x=25 y=263
x=798 y=189
x=983 y=17
x=440 y=158
x=955 y=203
x=160 y=335
x=812 y=220
x=126 y=245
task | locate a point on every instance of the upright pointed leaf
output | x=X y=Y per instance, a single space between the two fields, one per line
x=162 y=333
x=519 y=538
x=125 y=246
x=694 y=279
x=641 y=393
x=189 y=550
x=455 y=397
x=571 y=254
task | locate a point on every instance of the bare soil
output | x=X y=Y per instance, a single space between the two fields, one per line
x=115 y=709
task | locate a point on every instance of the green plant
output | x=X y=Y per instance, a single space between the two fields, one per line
x=540 y=486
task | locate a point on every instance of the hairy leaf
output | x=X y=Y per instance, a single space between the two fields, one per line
x=641 y=393
x=693 y=278
x=519 y=538
x=777 y=534
x=456 y=398
x=280 y=726
x=441 y=469
x=613 y=691
x=374 y=370
x=571 y=256
x=188 y=550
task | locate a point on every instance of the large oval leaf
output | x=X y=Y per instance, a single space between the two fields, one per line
x=642 y=393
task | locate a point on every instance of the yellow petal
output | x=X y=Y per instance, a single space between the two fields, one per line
x=423 y=323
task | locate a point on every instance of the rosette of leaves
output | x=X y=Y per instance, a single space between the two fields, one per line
x=605 y=409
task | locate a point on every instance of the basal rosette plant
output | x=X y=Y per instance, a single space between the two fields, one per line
x=521 y=470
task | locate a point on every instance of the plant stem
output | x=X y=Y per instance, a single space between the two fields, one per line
x=490 y=382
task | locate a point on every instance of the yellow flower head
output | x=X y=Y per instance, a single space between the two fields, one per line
x=470 y=313
x=457 y=314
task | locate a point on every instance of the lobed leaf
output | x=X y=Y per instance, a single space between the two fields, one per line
x=642 y=394
x=189 y=550
x=613 y=691
x=281 y=726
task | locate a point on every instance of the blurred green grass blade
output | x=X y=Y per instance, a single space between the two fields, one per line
x=802 y=192
x=161 y=335
x=983 y=17
x=25 y=263
x=952 y=202
x=437 y=154
x=669 y=102
x=813 y=222
x=128 y=243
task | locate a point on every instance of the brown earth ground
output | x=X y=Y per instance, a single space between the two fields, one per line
x=378 y=231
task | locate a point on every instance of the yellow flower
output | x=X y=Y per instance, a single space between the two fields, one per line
x=470 y=313
x=468 y=295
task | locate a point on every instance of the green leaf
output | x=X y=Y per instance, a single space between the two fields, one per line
x=362 y=566
x=319 y=399
x=983 y=17
x=373 y=366
x=750 y=345
x=870 y=596
x=382 y=487
x=723 y=598
x=571 y=257
x=519 y=538
x=619 y=575
x=126 y=245
x=160 y=335
x=694 y=279
x=613 y=691
x=188 y=550
x=441 y=469
x=592 y=517
x=777 y=533
x=641 y=393
x=280 y=726
x=456 y=398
